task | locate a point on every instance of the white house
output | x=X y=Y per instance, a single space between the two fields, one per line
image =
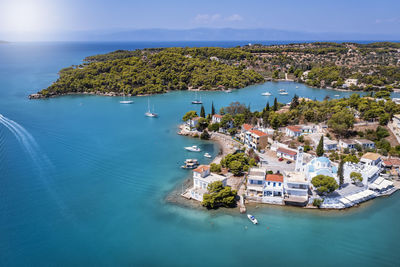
x=350 y=82
x=295 y=188
x=371 y=159
x=273 y=185
x=320 y=166
x=293 y=131
x=202 y=177
x=286 y=153
x=255 y=182
x=346 y=143
x=368 y=172
x=192 y=123
x=216 y=118
x=328 y=144
x=365 y=144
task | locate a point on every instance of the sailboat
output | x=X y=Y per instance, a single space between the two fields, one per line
x=149 y=113
x=196 y=101
x=125 y=101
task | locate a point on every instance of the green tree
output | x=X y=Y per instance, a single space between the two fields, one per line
x=236 y=167
x=219 y=196
x=295 y=102
x=214 y=127
x=275 y=106
x=226 y=121
x=202 y=112
x=201 y=124
x=356 y=177
x=340 y=172
x=324 y=184
x=189 y=115
x=320 y=147
x=341 y=122
x=212 y=108
x=205 y=135
x=215 y=167
x=300 y=139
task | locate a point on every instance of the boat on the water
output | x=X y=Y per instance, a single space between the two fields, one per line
x=266 y=93
x=228 y=91
x=196 y=100
x=193 y=148
x=126 y=102
x=207 y=155
x=281 y=90
x=252 y=219
x=283 y=93
x=297 y=87
x=190 y=164
x=337 y=95
x=150 y=113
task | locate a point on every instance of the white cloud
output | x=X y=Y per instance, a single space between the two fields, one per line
x=216 y=18
x=206 y=18
x=234 y=17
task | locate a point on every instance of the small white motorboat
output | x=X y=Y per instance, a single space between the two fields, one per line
x=207 y=155
x=193 y=148
x=281 y=90
x=190 y=164
x=297 y=87
x=228 y=91
x=126 y=102
x=266 y=94
x=252 y=219
x=283 y=93
x=337 y=95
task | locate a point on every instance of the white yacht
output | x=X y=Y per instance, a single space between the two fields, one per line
x=266 y=94
x=281 y=90
x=190 y=164
x=228 y=91
x=283 y=93
x=207 y=155
x=149 y=113
x=252 y=219
x=193 y=148
x=197 y=101
x=125 y=101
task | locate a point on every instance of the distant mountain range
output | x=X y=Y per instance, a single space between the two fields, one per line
x=198 y=34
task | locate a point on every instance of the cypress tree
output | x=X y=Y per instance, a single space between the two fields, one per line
x=202 y=112
x=295 y=102
x=320 y=147
x=212 y=108
x=340 y=172
x=267 y=107
x=275 y=107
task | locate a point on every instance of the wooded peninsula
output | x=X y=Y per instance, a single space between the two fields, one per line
x=368 y=67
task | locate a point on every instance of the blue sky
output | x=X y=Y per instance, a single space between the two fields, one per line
x=307 y=15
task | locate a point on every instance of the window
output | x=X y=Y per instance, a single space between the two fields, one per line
x=274 y=184
x=280 y=184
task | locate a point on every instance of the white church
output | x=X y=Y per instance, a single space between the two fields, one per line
x=317 y=166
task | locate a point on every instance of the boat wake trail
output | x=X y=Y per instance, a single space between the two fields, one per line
x=40 y=160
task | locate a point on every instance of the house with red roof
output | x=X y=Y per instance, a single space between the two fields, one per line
x=293 y=131
x=274 y=187
x=216 y=118
x=252 y=137
x=202 y=177
x=286 y=153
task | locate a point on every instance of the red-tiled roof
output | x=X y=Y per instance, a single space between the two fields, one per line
x=294 y=128
x=247 y=126
x=287 y=151
x=202 y=168
x=274 y=178
x=217 y=116
x=257 y=132
x=392 y=162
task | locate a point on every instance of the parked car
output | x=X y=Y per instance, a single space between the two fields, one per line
x=288 y=162
x=280 y=159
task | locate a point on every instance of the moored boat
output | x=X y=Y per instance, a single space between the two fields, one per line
x=126 y=102
x=266 y=94
x=193 y=148
x=207 y=155
x=283 y=93
x=252 y=219
x=190 y=164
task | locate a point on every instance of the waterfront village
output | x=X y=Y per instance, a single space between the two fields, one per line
x=304 y=164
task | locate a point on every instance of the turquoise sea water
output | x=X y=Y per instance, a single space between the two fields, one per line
x=85 y=182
